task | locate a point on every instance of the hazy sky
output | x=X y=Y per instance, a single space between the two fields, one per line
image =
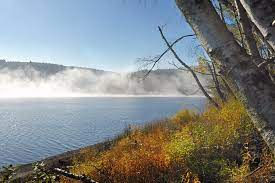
x=103 y=34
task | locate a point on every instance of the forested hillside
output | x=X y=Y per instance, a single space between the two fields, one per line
x=233 y=140
x=77 y=81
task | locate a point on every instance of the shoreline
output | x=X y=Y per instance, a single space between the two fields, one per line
x=62 y=160
x=104 y=96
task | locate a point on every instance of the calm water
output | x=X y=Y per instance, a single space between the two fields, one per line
x=32 y=129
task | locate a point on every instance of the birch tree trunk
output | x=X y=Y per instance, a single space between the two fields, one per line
x=248 y=32
x=262 y=13
x=256 y=89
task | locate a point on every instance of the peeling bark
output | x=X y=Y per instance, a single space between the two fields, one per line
x=248 y=33
x=256 y=89
x=262 y=13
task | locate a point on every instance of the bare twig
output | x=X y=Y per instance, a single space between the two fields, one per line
x=181 y=68
x=266 y=62
x=216 y=82
x=189 y=68
x=254 y=171
x=228 y=88
x=233 y=10
x=239 y=28
x=157 y=59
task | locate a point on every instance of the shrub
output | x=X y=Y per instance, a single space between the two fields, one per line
x=184 y=116
x=7 y=173
x=210 y=147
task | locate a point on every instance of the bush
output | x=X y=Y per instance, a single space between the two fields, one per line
x=210 y=147
x=7 y=173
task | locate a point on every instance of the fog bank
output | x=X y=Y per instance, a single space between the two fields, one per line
x=29 y=81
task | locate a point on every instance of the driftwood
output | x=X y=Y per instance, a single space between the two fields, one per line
x=82 y=178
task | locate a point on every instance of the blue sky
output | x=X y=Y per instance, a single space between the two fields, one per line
x=103 y=34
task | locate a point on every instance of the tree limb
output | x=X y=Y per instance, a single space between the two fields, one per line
x=266 y=62
x=158 y=58
x=216 y=82
x=189 y=68
x=181 y=68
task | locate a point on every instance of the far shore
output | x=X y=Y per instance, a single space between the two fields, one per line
x=101 y=96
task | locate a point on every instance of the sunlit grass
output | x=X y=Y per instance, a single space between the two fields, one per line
x=188 y=147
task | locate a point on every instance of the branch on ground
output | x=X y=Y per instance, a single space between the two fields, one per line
x=82 y=178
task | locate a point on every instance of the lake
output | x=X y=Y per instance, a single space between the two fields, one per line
x=35 y=128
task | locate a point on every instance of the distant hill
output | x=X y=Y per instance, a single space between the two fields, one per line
x=44 y=78
x=45 y=69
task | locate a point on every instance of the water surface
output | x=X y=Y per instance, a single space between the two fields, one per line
x=33 y=129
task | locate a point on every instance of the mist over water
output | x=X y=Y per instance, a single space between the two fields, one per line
x=78 y=82
x=35 y=125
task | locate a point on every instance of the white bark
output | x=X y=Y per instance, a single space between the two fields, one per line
x=255 y=87
x=262 y=13
x=248 y=32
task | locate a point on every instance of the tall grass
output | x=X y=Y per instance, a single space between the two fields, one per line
x=216 y=146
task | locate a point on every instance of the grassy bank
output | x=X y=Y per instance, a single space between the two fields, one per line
x=216 y=146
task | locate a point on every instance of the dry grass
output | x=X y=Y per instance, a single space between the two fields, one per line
x=215 y=146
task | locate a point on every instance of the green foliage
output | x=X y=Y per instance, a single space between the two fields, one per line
x=188 y=147
x=184 y=116
x=181 y=145
x=207 y=146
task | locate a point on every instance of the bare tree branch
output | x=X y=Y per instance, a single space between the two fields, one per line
x=266 y=62
x=181 y=68
x=216 y=82
x=228 y=88
x=157 y=59
x=189 y=68
x=239 y=28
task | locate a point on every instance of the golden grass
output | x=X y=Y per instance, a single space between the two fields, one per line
x=186 y=148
